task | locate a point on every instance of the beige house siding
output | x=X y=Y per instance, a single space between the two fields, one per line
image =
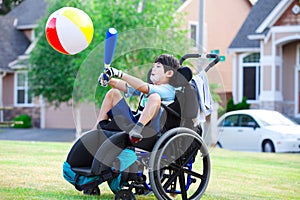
x=63 y=116
x=221 y=25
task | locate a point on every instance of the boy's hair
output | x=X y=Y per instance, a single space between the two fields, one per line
x=168 y=61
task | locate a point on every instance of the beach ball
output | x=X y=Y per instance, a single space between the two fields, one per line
x=69 y=30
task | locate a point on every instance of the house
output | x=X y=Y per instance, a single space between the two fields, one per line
x=15 y=42
x=222 y=20
x=266 y=52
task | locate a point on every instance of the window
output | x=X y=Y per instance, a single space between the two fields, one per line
x=251 y=76
x=247 y=121
x=231 y=120
x=22 y=93
x=193 y=34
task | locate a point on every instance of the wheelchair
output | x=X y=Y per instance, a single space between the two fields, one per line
x=171 y=164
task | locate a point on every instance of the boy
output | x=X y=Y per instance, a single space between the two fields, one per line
x=152 y=94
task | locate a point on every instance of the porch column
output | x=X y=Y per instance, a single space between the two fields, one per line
x=271 y=81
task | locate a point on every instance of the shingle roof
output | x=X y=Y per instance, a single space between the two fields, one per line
x=12 y=42
x=256 y=16
x=28 y=13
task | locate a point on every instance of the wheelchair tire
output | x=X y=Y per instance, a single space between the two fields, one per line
x=179 y=165
x=92 y=191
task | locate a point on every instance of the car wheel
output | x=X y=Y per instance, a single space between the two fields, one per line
x=268 y=146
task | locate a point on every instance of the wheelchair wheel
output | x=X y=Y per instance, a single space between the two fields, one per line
x=125 y=195
x=179 y=166
x=92 y=191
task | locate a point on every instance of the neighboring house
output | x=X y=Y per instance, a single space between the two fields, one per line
x=222 y=20
x=15 y=42
x=266 y=57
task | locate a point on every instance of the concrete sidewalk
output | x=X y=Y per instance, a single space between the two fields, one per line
x=35 y=134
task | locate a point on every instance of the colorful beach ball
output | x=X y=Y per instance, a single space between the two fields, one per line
x=69 y=30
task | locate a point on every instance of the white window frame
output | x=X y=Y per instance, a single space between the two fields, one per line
x=257 y=72
x=25 y=88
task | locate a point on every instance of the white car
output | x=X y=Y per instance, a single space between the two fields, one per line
x=258 y=130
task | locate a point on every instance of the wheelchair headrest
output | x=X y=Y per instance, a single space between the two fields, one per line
x=181 y=77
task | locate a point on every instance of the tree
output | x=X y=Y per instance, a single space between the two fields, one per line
x=60 y=78
x=8 y=5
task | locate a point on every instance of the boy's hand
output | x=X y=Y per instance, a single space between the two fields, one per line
x=103 y=80
x=113 y=72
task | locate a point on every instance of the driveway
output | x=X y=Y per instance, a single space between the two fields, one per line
x=35 y=134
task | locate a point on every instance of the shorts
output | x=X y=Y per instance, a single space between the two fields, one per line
x=124 y=117
x=121 y=109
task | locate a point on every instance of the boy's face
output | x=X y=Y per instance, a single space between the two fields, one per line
x=159 y=76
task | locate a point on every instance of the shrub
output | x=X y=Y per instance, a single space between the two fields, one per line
x=239 y=106
x=22 y=121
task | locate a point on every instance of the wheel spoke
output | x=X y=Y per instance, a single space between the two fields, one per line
x=182 y=185
x=172 y=178
x=190 y=156
x=194 y=174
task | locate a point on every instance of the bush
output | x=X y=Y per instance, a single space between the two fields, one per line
x=22 y=121
x=239 y=106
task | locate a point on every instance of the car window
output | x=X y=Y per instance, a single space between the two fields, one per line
x=230 y=121
x=247 y=121
x=275 y=118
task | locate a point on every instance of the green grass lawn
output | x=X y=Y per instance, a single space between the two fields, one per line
x=33 y=170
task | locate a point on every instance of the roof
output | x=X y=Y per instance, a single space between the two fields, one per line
x=185 y=3
x=12 y=42
x=256 y=17
x=28 y=13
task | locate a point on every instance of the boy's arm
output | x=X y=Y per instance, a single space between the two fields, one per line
x=118 y=84
x=136 y=83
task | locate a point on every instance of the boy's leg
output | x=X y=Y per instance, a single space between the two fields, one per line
x=111 y=99
x=151 y=109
